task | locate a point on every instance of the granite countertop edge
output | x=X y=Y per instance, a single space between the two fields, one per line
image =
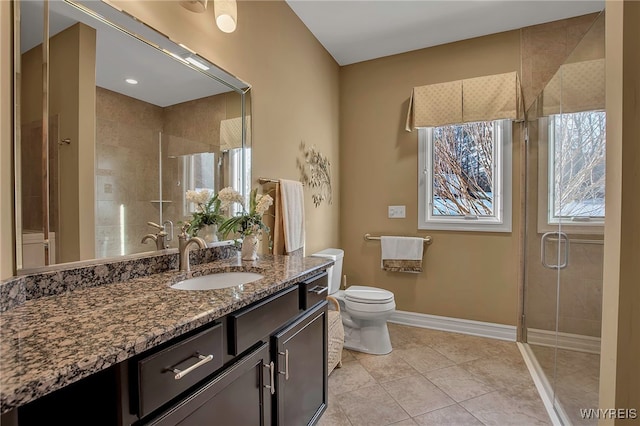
x=28 y=373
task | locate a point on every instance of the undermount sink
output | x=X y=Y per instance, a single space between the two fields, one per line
x=217 y=281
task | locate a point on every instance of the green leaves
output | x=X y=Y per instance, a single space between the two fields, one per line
x=246 y=223
x=207 y=214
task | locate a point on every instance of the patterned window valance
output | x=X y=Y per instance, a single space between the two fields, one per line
x=578 y=86
x=487 y=98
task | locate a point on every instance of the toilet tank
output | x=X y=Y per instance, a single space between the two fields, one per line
x=334 y=272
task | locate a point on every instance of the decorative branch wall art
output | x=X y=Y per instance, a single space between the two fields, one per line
x=315 y=173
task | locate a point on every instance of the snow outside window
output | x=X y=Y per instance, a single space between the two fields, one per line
x=465 y=177
x=576 y=169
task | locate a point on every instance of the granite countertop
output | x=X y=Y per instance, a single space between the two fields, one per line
x=48 y=343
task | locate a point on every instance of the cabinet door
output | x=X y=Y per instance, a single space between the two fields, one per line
x=240 y=396
x=300 y=354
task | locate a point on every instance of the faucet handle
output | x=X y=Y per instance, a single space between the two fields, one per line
x=155 y=225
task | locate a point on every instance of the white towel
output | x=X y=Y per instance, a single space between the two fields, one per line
x=292 y=215
x=401 y=254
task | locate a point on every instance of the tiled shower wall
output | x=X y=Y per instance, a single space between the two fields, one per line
x=189 y=128
x=127 y=134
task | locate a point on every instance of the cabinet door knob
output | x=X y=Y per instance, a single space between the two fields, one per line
x=286 y=364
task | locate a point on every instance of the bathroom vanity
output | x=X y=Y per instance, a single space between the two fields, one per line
x=139 y=352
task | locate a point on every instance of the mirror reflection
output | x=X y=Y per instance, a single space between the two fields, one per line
x=130 y=124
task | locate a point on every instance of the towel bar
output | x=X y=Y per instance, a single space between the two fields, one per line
x=368 y=237
x=267 y=180
x=264 y=180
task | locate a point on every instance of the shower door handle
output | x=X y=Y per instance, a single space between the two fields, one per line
x=560 y=237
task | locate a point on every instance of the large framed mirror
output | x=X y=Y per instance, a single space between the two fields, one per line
x=114 y=122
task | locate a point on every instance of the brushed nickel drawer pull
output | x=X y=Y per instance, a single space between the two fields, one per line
x=272 y=382
x=318 y=289
x=203 y=360
x=286 y=363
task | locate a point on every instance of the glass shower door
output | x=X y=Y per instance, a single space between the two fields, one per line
x=565 y=174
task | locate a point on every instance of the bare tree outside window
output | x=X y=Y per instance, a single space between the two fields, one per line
x=463 y=164
x=578 y=158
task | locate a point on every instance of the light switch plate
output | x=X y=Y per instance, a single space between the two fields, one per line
x=397 y=212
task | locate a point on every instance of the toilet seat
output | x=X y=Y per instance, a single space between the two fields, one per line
x=365 y=299
x=368 y=295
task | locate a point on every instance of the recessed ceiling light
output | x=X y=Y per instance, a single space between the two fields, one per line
x=131 y=81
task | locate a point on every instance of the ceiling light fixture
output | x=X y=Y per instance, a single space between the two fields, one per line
x=131 y=81
x=197 y=6
x=226 y=12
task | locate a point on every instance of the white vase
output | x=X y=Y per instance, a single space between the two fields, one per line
x=209 y=233
x=249 y=247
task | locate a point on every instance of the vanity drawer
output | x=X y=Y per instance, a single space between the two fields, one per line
x=314 y=290
x=166 y=374
x=249 y=325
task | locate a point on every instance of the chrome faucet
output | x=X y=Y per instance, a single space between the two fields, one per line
x=184 y=241
x=160 y=238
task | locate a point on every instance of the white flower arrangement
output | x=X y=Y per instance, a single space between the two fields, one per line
x=207 y=210
x=228 y=196
x=247 y=222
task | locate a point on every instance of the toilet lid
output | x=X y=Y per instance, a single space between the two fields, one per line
x=363 y=294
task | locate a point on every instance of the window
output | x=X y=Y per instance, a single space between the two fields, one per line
x=465 y=177
x=576 y=171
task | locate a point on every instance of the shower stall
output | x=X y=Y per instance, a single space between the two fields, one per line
x=564 y=225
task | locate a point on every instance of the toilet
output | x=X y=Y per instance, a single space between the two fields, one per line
x=364 y=310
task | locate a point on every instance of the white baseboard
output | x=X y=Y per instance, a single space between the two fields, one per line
x=456 y=325
x=573 y=342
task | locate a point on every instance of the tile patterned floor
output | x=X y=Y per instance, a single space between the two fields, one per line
x=434 y=378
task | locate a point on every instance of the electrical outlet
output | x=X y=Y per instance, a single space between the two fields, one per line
x=397 y=212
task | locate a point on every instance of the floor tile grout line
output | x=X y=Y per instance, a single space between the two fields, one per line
x=497 y=354
x=451 y=396
x=388 y=395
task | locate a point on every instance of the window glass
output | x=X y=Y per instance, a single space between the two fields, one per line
x=465 y=179
x=577 y=166
x=463 y=170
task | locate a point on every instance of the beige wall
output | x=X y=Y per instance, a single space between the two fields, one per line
x=72 y=100
x=294 y=94
x=295 y=97
x=467 y=275
x=619 y=365
x=6 y=143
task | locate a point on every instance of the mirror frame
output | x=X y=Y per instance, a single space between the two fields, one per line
x=239 y=86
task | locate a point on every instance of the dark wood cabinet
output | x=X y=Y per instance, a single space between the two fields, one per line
x=300 y=356
x=276 y=368
x=249 y=325
x=167 y=373
x=262 y=365
x=314 y=290
x=240 y=396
